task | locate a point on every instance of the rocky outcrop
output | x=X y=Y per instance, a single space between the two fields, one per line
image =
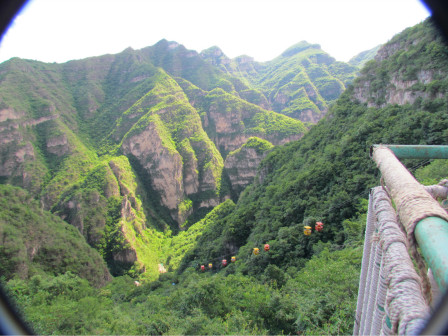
x=42 y=242
x=10 y=114
x=255 y=97
x=58 y=145
x=14 y=149
x=162 y=162
x=18 y=156
x=190 y=168
x=227 y=126
x=126 y=257
x=230 y=122
x=396 y=90
x=111 y=229
x=241 y=165
x=215 y=56
x=406 y=70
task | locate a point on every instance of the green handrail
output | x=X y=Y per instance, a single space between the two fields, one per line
x=416 y=151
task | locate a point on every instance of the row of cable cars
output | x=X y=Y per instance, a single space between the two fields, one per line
x=307 y=230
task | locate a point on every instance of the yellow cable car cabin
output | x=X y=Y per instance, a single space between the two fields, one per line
x=256 y=251
x=307 y=230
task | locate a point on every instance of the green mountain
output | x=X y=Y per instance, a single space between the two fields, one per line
x=301 y=83
x=130 y=146
x=364 y=56
x=150 y=166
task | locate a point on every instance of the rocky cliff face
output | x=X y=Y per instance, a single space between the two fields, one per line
x=397 y=90
x=241 y=165
x=397 y=75
x=164 y=166
x=230 y=121
x=14 y=149
x=167 y=139
x=107 y=210
x=242 y=64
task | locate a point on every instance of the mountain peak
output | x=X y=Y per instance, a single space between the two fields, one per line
x=213 y=51
x=168 y=44
x=299 y=47
x=215 y=56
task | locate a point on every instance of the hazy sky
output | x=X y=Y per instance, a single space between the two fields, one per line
x=61 y=30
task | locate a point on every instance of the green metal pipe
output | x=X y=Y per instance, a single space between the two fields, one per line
x=432 y=237
x=416 y=151
x=431 y=232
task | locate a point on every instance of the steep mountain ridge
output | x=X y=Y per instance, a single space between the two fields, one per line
x=300 y=83
x=64 y=125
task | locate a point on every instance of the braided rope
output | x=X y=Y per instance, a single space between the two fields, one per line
x=370 y=228
x=376 y=284
x=405 y=307
x=365 y=327
x=373 y=284
x=381 y=301
x=390 y=299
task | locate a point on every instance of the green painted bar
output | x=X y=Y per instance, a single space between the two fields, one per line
x=432 y=237
x=417 y=151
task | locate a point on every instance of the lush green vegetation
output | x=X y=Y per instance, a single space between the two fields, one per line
x=199 y=303
x=260 y=145
x=302 y=285
x=36 y=242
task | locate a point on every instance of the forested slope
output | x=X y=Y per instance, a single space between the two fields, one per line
x=326 y=175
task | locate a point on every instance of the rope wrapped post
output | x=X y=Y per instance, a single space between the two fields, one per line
x=419 y=213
